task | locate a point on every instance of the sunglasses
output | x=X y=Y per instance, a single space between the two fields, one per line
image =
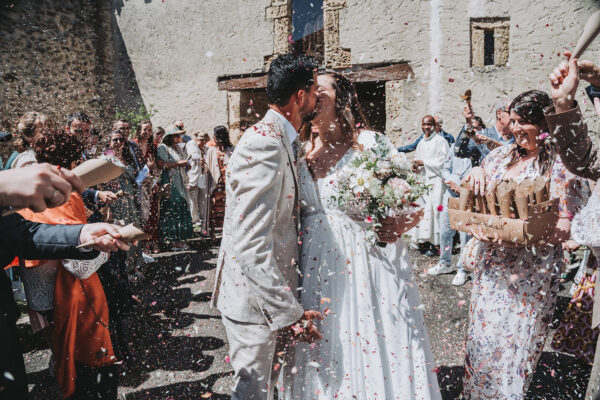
x=118 y=140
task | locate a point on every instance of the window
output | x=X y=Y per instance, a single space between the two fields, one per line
x=488 y=47
x=489 y=41
x=307 y=28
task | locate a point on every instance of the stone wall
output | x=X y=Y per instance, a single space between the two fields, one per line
x=178 y=48
x=55 y=58
x=435 y=37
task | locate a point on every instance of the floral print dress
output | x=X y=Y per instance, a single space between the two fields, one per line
x=514 y=295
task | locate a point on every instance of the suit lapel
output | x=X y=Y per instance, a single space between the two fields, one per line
x=275 y=121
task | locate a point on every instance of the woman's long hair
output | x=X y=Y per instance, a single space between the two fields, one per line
x=348 y=111
x=530 y=106
x=222 y=136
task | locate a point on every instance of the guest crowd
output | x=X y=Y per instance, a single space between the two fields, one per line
x=173 y=188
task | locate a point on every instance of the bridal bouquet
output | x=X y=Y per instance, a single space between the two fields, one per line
x=377 y=184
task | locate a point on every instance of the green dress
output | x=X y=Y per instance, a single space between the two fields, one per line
x=175 y=217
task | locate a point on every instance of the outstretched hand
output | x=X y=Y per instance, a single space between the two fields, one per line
x=564 y=81
x=105 y=237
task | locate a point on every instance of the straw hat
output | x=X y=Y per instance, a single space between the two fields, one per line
x=201 y=135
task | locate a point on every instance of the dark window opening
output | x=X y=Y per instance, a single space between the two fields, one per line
x=488 y=47
x=307 y=28
x=371 y=96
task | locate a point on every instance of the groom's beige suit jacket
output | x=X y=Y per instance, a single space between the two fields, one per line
x=257 y=274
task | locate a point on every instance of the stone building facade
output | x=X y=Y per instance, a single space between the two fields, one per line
x=205 y=62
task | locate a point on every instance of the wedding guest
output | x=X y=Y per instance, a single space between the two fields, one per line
x=80 y=124
x=29 y=188
x=126 y=208
x=184 y=138
x=439 y=122
x=217 y=159
x=53 y=288
x=175 y=218
x=158 y=135
x=480 y=144
x=38 y=276
x=453 y=172
x=438 y=129
x=581 y=157
x=429 y=159
x=29 y=126
x=196 y=150
x=150 y=207
x=203 y=184
x=516 y=286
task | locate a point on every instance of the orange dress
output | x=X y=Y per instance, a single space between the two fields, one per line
x=80 y=310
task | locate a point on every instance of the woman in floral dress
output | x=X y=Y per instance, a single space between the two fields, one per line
x=515 y=287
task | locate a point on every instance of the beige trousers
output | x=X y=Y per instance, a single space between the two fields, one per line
x=253 y=349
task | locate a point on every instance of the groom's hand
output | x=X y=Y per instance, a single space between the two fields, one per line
x=304 y=329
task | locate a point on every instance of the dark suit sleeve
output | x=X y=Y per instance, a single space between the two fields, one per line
x=89 y=197
x=33 y=241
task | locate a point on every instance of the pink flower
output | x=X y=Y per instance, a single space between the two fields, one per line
x=399 y=184
x=544 y=135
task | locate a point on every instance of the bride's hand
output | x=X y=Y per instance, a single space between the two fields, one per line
x=476 y=180
x=406 y=222
x=387 y=232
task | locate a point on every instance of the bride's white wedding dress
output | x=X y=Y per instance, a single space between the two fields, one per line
x=375 y=345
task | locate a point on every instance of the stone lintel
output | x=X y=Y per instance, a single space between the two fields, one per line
x=275 y=12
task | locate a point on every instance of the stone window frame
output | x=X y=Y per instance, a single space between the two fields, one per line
x=280 y=12
x=501 y=28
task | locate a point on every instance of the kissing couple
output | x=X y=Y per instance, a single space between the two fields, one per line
x=309 y=306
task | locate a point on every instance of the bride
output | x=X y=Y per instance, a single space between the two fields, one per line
x=375 y=345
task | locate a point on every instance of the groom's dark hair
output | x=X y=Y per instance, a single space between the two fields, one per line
x=289 y=73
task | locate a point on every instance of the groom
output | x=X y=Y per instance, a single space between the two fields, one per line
x=257 y=272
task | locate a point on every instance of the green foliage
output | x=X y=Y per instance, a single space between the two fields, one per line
x=135 y=115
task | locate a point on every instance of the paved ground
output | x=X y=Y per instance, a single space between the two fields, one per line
x=180 y=349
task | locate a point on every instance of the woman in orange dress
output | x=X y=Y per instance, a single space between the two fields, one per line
x=81 y=341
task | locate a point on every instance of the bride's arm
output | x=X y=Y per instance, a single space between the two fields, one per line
x=393 y=227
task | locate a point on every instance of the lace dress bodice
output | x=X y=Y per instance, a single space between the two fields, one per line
x=317 y=197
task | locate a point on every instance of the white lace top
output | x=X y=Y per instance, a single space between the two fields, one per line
x=39 y=281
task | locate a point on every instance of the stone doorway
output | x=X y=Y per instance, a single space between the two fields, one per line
x=371 y=96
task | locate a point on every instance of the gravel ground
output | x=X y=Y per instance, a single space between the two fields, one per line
x=180 y=350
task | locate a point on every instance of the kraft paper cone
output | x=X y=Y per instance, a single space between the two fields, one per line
x=92 y=173
x=466 y=199
x=505 y=192
x=129 y=233
x=490 y=199
x=523 y=193
x=590 y=31
x=540 y=188
x=97 y=171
